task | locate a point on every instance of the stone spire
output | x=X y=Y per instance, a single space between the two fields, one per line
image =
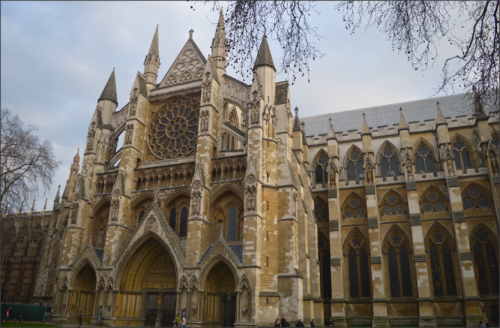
x=33 y=207
x=402 y=121
x=331 y=132
x=73 y=174
x=152 y=62
x=365 y=129
x=219 y=44
x=264 y=57
x=440 y=117
x=109 y=92
x=296 y=120
x=304 y=142
x=56 y=200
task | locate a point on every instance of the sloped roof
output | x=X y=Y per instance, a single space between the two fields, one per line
x=389 y=115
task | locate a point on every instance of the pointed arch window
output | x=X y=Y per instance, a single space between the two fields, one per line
x=475 y=197
x=359 y=272
x=324 y=258
x=141 y=216
x=462 y=156
x=232 y=223
x=321 y=175
x=393 y=204
x=398 y=259
x=433 y=201
x=321 y=209
x=424 y=161
x=173 y=218
x=389 y=164
x=496 y=141
x=442 y=267
x=183 y=223
x=354 y=207
x=355 y=165
x=485 y=255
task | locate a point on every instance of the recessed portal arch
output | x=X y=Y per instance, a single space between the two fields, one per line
x=83 y=294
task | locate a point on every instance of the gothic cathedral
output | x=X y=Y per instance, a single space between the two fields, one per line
x=226 y=208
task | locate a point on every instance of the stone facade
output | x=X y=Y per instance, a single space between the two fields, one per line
x=219 y=207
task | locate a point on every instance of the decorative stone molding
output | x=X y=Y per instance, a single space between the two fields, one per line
x=372 y=223
x=376 y=260
x=334 y=225
x=465 y=256
x=370 y=190
x=415 y=219
x=458 y=216
x=419 y=257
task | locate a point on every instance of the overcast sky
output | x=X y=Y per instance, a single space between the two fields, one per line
x=57 y=56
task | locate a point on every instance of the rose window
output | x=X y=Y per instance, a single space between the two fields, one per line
x=393 y=205
x=174 y=129
x=434 y=202
x=475 y=197
x=355 y=208
x=321 y=209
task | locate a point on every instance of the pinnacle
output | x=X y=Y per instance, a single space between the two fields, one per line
x=402 y=121
x=296 y=120
x=77 y=156
x=153 y=49
x=331 y=132
x=264 y=57
x=109 y=92
x=440 y=116
x=365 y=128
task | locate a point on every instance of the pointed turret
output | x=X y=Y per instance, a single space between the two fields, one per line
x=440 y=117
x=264 y=57
x=331 y=132
x=73 y=174
x=152 y=62
x=296 y=120
x=402 y=122
x=33 y=208
x=109 y=91
x=66 y=191
x=304 y=141
x=365 y=129
x=219 y=44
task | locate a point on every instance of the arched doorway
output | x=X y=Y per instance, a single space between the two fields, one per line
x=219 y=299
x=148 y=286
x=82 y=296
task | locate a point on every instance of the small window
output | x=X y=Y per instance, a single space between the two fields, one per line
x=267 y=205
x=389 y=164
x=141 y=216
x=183 y=223
x=267 y=262
x=173 y=218
x=424 y=161
x=355 y=166
x=462 y=156
x=496 y=141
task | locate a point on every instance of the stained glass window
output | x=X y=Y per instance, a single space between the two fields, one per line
x=393 y=205
x=325 y=273
x=458 y=162
x=384 y=167
x=496 y=141
x=485 y=255
x=424 y=160
x=173 y=218
x=353 y=273
x=481 y=276
x=319 y=174
x=232 y=223
x=321 y=209
x=354 y=166
x=389 y=157
x=321 y=168
x=492 y=266
x=419 y=163
x=462 y=156
x=433 y=201
x=351 y=171
x=394 y=165
x=451 y=287
x=404 y=262
x=183 y=225
x=141 y=216
x=436 y=271
x=393 y=272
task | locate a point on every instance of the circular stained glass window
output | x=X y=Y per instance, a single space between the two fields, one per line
x=388 y=152
x=473 y=192
x=440 y=206
x=438 y=237
x=423 y=151
x=481 y=235
x=174 y=129
x=392 y=200
x=354 y=203
x=432 y=196
x=400 y=209
x=483 y=202
x=318 y=206
x=349 y=213
x=360 y=212
x=324 y=216
x=427 y=207
x=469 y=203
x=322 y=160
x=387 y=210
x=354 y=156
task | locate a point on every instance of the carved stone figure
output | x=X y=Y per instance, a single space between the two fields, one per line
x=100 y=237
x=90 y=137
x=150 y=221
x=196 y=203
x=204 y=120
x=494 y=163
x=129 y=133
x=133 y=102
x=115 y=207
x=332 y=174
x=207 y=87
x=220 y=232
x=408 y=163
x=368 y=170
x=449 y=158
x=251 y=195
x=74 y=212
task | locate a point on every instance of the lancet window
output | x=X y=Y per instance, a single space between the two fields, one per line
x=324 y=259
x=354 y=207
x=440 y=247
x=321 y=209
x=357 y=250
x=496 y=141
x=398 y=258
x=389 y=164
x=424 y=160
x=433 y=201
x=321 y=168
x=354 y=165
x=484 y=247
x=475 y=197
x=461 y=154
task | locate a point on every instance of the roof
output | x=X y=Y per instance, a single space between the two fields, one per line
x=109 y=91
x=389 y=115
x=264 y=57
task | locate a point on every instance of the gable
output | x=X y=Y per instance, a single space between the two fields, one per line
x=188 y=66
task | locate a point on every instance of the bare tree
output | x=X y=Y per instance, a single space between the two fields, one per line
x=28 y=163
x=415 y=28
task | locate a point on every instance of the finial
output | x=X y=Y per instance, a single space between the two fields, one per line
x=400 y=109
x=364 y=114
x=191 y=31
x=330 y=120
x=438 y=105
x=303 y=124
x=296 y=109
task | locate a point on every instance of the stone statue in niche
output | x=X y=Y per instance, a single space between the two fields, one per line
x=204 y=121
x=449 y=158
x=220 y=232
x=74 y=212
x=408 y=162
x=115 y=207
x=368 y=170
x=494 y=163
x=100 y=237
x=251 y=192
x=90 y=137
x=207 y=87
x=133 y=102
x=332 y=174
x=196 y=203
x=129 y=133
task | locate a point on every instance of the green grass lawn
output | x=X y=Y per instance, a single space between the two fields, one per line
x=27 y=324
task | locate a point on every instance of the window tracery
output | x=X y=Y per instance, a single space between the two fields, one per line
x=321 y=163
x=484 y=247
x=398 y=258
x=496 y=141
x=389 y=162
x=354 y=207
x=475 y=197
x=393 y=204
x=433 y=201
x=424 y=160
x=183 y=222
x=461 y=154
x=354 y=165
x=321 y=209
x=174 y=129
x=440 y=248
x=358 y=263
x=324 y=259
